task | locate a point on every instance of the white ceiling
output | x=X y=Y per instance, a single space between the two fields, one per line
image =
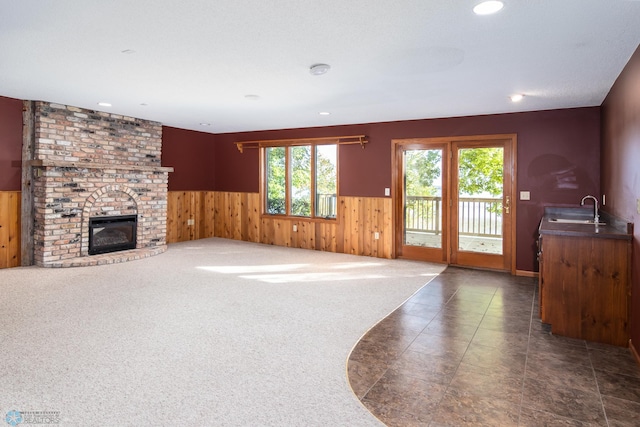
x=194 y=61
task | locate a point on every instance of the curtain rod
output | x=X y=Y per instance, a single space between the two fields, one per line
x=340 y=140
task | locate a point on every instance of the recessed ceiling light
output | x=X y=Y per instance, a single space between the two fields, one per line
x=324 y=113
x=128 y=51
x=488 y=7
x=144 y=104
x=205 y=124
x=104 y=104
x=319 y=69
x=252 y=97
x=517 y=97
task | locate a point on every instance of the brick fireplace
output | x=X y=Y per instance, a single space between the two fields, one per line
x=86 y=165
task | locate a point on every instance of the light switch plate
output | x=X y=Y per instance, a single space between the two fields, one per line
x=387 y=191
x=525 y=195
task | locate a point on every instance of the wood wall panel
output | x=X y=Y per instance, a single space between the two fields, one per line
x=360 y=219
x=176 y=212
x=280 y=231
x=237 y=216
x=218 y=226
x=10 y=223
x=326 y=236
x=348 y=220
x=190 y=215
x=253 y=217
x=206 y=213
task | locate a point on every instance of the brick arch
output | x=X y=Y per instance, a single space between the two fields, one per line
x=95 y=197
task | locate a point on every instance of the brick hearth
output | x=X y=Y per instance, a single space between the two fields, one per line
x=95 y=164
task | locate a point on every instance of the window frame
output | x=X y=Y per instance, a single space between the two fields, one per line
x=288 y=145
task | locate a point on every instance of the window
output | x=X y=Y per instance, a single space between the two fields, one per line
x=276 y=183
x=301 y=180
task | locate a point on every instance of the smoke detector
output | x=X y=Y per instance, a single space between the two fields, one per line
x=319 y=69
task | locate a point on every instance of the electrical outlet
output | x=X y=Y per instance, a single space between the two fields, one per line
x=638 y=205
x=525 y=195
x=387 y=191
x=376 y=235
x=191 y=221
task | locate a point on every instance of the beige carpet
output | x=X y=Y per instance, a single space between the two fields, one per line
x=211 y=333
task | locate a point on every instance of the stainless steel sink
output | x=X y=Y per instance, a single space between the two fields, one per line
x=576 y=221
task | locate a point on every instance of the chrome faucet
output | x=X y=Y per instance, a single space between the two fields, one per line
x=596 y=217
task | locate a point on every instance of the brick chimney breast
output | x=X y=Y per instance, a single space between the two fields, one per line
x=94 y=164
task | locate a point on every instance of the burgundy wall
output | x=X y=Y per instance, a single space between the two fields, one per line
x=558 y=159
x=621 y=165
x=10 y=144
x=192 y=155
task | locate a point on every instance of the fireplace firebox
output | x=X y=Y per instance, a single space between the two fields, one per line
x=112 y=233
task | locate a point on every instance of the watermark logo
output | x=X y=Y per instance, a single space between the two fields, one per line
x=15 y=418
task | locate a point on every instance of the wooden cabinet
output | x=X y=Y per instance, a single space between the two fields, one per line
x=585 y=286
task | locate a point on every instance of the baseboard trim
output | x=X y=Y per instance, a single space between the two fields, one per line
x=634 y=352
x=526 y=273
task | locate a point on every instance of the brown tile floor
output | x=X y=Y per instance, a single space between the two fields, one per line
x=469 y=349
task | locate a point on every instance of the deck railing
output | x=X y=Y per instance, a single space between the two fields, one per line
x=423 y=214
x=326 y=205
x=478 y=216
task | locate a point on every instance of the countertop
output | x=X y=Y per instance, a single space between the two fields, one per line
x=615 y=227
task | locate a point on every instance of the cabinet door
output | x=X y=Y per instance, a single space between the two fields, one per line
x=603 y=284
x=561 y=287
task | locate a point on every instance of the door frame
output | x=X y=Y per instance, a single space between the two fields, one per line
x=424 y=253
x=510 y=170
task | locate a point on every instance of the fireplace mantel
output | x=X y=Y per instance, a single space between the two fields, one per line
x=91 y=165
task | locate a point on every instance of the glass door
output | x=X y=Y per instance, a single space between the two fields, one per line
x=424 y=215
x=481 y=204
x=453 y=200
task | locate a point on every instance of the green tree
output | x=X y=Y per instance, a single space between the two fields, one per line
x=422 y=170
x=326 y=169
x=480 y=170
x=276 y=180
x=326 y=180
x=301 y=180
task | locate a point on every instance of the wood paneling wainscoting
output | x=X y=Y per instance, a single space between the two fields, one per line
x=10 y=202
x=187 y=213
x=195 y=215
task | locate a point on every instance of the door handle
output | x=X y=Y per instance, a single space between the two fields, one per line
x=507 y=204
